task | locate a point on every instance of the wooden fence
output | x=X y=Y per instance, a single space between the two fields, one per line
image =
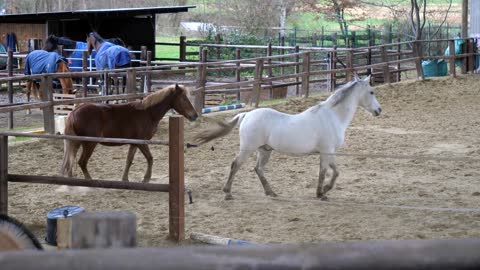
x=251 y=78
x=175 y=187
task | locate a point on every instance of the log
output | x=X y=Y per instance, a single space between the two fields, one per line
x=104 y=230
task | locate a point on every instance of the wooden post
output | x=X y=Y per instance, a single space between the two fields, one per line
x=464 y=58
x=282 y=52
x=85 y=68
x=334 y=66
x=148 y=76
x=386 y=70
x=451 y=61
x=10 y=85
x=237 y=71
x=143 y=57
x=418 y=61
x=64 y=233
x=131 y=81
x=176 y=181
x=306 y=74
x=4 y=175
x=269 y=70
x=60 y=49
x=183 y=48
x=349 y=73
x=399 y=57
x=201 y=82
x=471 y=55
x=48 y=112
x=257 y=84
x=104 y=230
x=369 y=55
x=297 y=70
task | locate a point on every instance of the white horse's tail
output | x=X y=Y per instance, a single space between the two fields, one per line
x=222 y=129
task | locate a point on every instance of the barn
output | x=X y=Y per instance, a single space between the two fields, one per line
x=136 y=26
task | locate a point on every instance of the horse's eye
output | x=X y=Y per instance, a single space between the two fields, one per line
x=371 y=92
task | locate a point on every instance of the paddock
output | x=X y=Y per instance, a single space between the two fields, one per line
x=415 y=177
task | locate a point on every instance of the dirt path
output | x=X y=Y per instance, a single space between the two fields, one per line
x=438 y=118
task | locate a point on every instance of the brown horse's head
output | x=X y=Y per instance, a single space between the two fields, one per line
x=182 y=103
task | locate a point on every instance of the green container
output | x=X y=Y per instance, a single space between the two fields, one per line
x=434 y=68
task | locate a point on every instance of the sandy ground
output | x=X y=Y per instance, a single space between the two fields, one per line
x=375 y=198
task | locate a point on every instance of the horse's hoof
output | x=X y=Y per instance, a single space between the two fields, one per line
x=272 y=194
x=228 y=197
x=324 y=198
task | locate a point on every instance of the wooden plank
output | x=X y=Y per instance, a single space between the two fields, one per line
x=257 y=83
x=10 y=85
x=451 y=61
x=116 y=229
x=48 y=112
x=4 y=175
x=176 y=179
x=64 y=233
x=386 y=70
x=80 y=182
x=306 y=75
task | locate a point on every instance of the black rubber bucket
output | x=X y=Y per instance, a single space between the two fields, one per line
x=52 y=216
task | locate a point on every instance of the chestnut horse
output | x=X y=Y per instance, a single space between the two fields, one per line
x=39 y=62
x=133 y=120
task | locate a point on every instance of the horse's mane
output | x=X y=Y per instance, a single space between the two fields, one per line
x=340 y=94
x=158 y=96
x=11 y=227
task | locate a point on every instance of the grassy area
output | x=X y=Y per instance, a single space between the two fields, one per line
x=169 y=51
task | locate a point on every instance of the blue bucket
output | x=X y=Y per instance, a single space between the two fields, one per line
x=53 y=215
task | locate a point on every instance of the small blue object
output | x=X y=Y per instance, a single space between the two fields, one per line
x=234 y=242
x=60 y=212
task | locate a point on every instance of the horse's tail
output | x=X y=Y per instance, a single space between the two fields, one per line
x=222 y=129
x=70 y=148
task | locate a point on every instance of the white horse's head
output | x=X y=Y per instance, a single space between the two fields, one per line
x=368 y=101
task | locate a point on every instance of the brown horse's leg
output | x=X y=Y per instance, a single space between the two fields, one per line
x=87 y=151
x=262 y=158
x=146 y=152
x=27 y=92
x=237 y=162
x=130 y=155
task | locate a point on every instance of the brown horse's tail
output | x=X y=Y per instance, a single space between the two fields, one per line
x=223 y=128
x=70 y=148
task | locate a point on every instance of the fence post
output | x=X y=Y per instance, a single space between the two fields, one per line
x=333 y=76
x=176 y=179
x=418 y=61
x=465 y=58
x=386 y=69
x=451 y=61
x=306 y=74
x=269 y=69
x=143 y=57
x=4 y=175
x=10 y=86
x=369 y=56
x=84 y=69
x=237 y=71
x=349 y=75
x=183 y=48
x=257 y=83
x=471 y=55
x=297 y=70
x=399 y=57
x=148 y=76
x=48 y=112
x=131 y=81
x=201 y=82
x=282 y=52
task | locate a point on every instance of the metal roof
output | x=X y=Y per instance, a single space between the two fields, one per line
x=41 y=17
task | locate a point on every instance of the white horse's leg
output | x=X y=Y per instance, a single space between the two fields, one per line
x=324 y=163
x=262 y=158
x=131 y=153
x=330 y=185
x=237 y=162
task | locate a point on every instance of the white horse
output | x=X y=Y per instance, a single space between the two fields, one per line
x=318 y=130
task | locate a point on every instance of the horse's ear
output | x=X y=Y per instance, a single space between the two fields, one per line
x=176 y=86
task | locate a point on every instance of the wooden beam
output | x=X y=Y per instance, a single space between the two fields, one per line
x=176 y=179
x=4 y=175
x=48 y=112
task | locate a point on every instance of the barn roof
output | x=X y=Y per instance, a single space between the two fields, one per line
x=41 y=17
